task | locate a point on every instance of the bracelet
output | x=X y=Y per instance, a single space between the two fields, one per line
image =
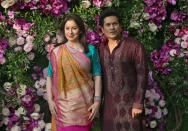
x=97 y=98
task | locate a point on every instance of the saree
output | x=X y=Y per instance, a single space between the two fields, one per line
x=72 y=89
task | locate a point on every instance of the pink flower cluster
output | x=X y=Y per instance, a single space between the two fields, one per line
x=155 y=106
x=3 y=47
x=93 y=37
x=162 y=57
x=39 y=76
x=24 y=116
x=182 y=40
x=178 y=16
x=156 y=10
x=54 y=7
x=22 y=40
x=102 y=3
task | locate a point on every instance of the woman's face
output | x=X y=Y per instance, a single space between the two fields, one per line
x=71 y=31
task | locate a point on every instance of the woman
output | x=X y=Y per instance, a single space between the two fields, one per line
x=74 y=79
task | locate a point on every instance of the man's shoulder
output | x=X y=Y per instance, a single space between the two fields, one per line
x=132 y=41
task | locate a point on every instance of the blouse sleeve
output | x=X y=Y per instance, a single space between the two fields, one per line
x=96 y=68
x=49 y=71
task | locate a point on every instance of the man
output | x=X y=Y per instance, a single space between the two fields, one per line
x=124 y=66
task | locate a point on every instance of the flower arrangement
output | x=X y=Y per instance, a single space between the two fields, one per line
x=25 y=113
x=155 y=106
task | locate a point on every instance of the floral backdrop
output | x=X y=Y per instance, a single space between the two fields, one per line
x=28 y=28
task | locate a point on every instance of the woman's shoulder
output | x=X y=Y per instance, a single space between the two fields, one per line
x=91 y=47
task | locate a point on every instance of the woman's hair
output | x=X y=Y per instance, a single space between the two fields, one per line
x=82 y=36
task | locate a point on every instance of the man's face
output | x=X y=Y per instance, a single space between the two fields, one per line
x=111 y=27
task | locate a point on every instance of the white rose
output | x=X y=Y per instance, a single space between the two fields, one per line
x=5 y=120
x=152 y=27
x=46 y=38
x=134 y=24
x=21 y=91
x=153 y=124
x=5 y=4
x=15 y=128
x=108 y=3
x=148 y=111
x=35 y=115
x=22 y=111
x=173 y=52
x=146 y=16
x=5 y=111
x=25 y=118
x=42 y=82
x=17 y=113
x=37 y=84
x=85 y=3
x=29 y=39
x=7 y=86
x=27 y=1
x=165 y=111
x=41 y=124
x=48 y=127
x=37 y=129
x=37 y=108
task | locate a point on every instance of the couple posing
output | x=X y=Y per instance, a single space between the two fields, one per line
x=74 y=78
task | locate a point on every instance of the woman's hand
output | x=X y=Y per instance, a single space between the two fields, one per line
x=53 y=108
x=94 y=109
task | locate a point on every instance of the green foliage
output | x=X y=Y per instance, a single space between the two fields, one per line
x=88 y=15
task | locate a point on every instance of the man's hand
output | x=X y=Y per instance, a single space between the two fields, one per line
x=136 y=112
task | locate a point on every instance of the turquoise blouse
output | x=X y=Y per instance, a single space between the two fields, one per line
x=94 y=58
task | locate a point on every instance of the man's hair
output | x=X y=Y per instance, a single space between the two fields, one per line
x=108 y=12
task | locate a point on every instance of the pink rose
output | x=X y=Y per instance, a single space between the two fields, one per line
x=185 y=37
x=177 y=32
x=184 y=44
x=162 y=103
x=40 y=91
x=46 y=38
x=147 y=94
x=16 y=27
x=2 y=60
x=18 y=49
x=172 y=52
x=11 y=14
x=42 y=82
x=28 y=47
x=158 y=114
x=20 y=32
x=177 y=40
x=54 y=40
x=31 y=56
x=97 y=3
x=29 y=39
x=20 y=40
x=186 y=53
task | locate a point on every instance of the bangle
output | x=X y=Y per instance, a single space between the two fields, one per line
x=97 y=98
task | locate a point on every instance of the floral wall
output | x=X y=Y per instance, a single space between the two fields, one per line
x=28 y=28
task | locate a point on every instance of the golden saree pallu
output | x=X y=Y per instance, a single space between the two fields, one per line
x=73 y=87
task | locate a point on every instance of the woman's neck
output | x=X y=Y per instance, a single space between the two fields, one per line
x=74 y=44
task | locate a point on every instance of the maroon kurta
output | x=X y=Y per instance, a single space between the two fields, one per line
x=125 y=73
